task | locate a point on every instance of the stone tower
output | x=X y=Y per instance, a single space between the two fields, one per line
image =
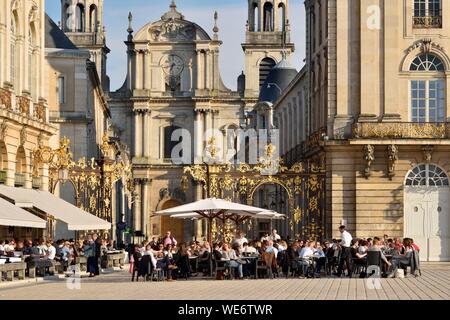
x=82 y=22
x=267 y=37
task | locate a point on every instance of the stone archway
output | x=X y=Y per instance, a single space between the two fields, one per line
x=176 y=226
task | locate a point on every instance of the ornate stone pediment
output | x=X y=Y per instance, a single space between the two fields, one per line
x=425 y=46
x=172 y=30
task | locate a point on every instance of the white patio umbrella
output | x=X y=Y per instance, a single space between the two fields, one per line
x=213 y=208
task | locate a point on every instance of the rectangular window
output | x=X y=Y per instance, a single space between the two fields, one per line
x=428 y=101
x=61 y=90
x=420 y=8
x=427 y=14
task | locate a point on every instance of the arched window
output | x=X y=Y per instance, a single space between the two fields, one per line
x=282 y=16
x=428 y=98
x=79 y=16
x=268 y=16
x=21 y=167
x=13 y=52
x=427 y=175
x=93 y=18
x=3 y=161
x=427 y=62
x=264 y=69
x=67 y=17
x=168 y=143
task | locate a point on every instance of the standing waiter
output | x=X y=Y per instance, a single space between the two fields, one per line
x=97 y=252
x=346 y=255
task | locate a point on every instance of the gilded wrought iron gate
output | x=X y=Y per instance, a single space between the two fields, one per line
x=302 y=183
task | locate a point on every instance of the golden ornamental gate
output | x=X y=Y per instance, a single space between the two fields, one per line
x=303 y=183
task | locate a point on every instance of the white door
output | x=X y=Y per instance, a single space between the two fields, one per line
x=427 y=211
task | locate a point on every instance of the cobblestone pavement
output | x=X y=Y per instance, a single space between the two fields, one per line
x=433 y=284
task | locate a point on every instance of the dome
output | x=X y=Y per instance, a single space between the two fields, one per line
x=277 y=81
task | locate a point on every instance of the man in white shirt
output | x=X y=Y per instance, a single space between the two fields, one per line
x=275 y=236
x=305 y=254
x=248 y=249
x=240 y=240
x=51 y=251
x=346 y=255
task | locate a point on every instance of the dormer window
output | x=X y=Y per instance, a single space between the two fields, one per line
x=427 y=14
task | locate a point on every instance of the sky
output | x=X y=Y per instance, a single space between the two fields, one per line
x=232 y=20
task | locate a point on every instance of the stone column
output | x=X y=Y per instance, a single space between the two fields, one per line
x=145 y=69
x=145 y=207
x=209 y=70
x=137 y=133
x=137 y=221
x=146 y=137
x=200 y=71
x=198 y=135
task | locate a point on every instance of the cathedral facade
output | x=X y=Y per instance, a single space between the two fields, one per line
x=173 y=82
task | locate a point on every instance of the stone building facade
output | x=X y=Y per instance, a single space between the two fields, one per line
x=376 y=113
x=24 y=117
x=75 y=56
x=173 y=81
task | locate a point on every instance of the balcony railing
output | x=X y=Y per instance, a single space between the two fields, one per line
x=19 y=180
x=37 y=182
x=401 y=130
x=5 y=99
x=427 y=22
x=40 y=112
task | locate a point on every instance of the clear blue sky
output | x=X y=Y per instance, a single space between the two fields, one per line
x=232 y=20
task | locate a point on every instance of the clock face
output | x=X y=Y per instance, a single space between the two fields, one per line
x=173 y=65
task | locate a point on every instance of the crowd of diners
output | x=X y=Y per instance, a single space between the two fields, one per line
x=298 y=257
x=93 y=248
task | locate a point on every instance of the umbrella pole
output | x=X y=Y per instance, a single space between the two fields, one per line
x=210 y=245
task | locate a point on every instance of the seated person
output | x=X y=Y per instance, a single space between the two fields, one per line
x=357 y=257
x=248 y=249
x=232 y=259
x=377 y=247
x=321 y=257
x=270 y=248
x=305 y=254
x=363 y=247
x=402 y=259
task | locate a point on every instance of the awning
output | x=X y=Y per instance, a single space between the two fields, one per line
x=75 y=218
x=11 y=215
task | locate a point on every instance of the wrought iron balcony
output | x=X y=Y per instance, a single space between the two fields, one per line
x=37 y=182
x=401 y=130
x=427 y=22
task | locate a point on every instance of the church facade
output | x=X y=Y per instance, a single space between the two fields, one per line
x=173 y=82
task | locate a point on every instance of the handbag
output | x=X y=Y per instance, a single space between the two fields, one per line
x=400 y=273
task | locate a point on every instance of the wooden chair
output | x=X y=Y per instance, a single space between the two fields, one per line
x=220 y=266
x=373 y=259
x=265 y=263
